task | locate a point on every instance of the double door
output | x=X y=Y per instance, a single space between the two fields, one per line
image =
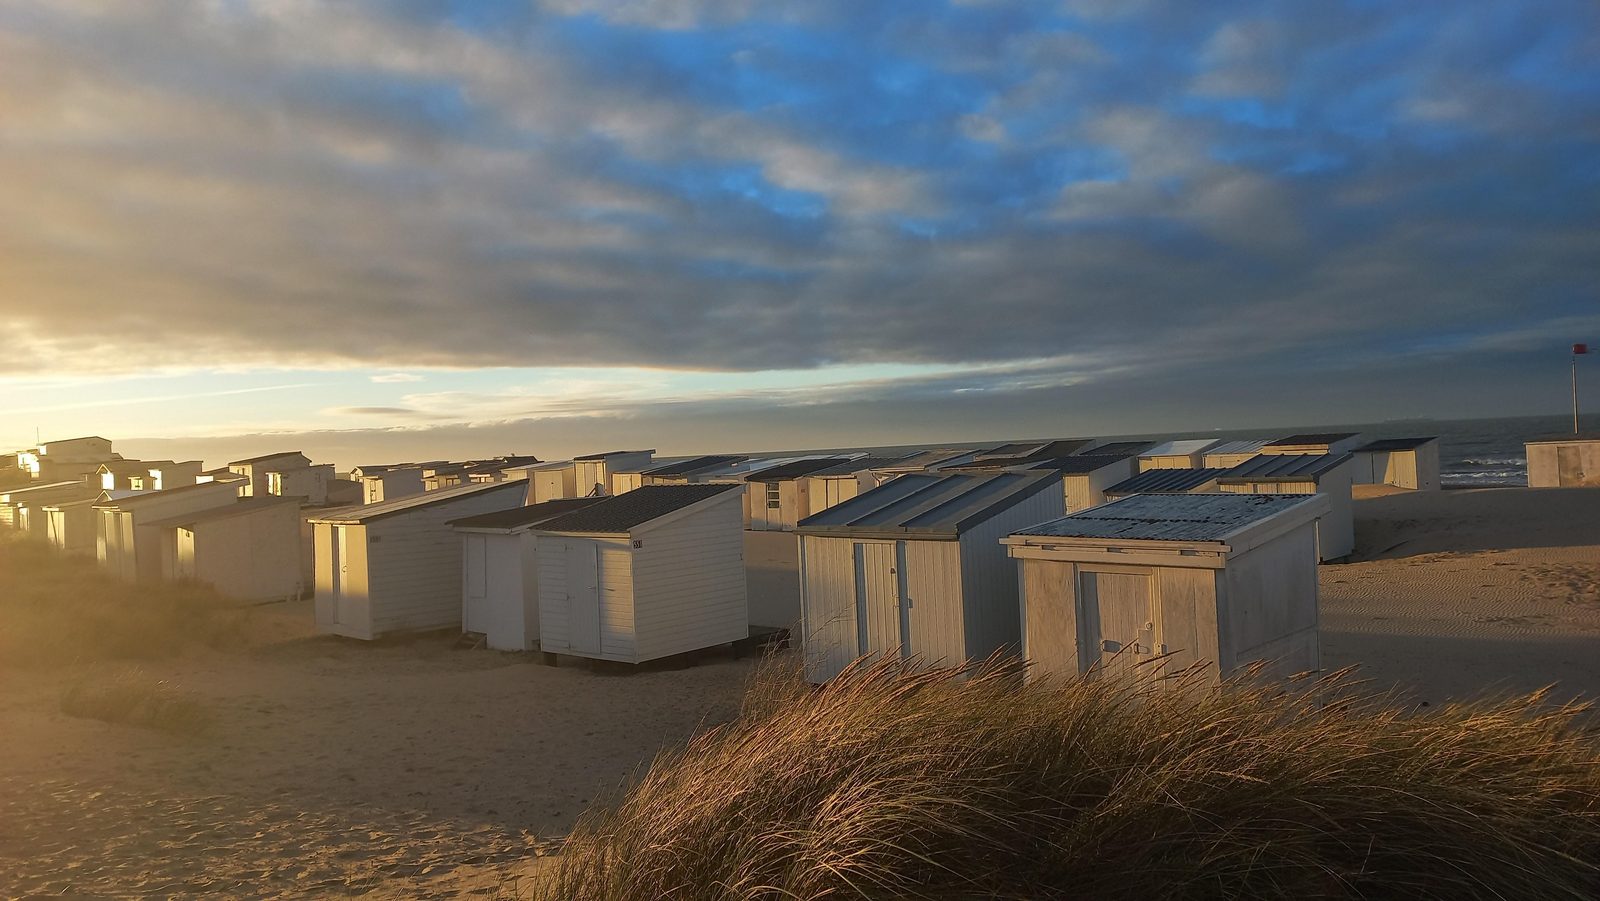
x=1119 y=623
x=883 y=606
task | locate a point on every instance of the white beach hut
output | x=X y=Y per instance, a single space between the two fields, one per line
x=677 y=472
x=255 y=470
x=69 y=526
x=1183 y=454
x=390 y=483
x=1215 y=579
x=396 y=566
x=914 y=568
x=500 y=573
x=1086 y=477
x=1326 y=474
x=592 y=472
x=125 y=540
x=552 y=480
x=15 y=500
x=248 y=550
x=1228 y=454
x=842 y=481
x=1564 y=461
x=1402 y=462
x=644 y=575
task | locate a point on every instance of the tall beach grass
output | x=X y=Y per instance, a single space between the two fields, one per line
x=892 y=784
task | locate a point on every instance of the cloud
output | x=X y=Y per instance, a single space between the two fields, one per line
x=721 y=186
x=395 y=378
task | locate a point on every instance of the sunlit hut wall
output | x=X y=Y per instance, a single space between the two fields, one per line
x=648 y=574
x=592 y=472
x=396 y=566
x=255 y=470
x=843 y=481
x=126 y=544
x=248 y=550
x=70 y=526
x=14 y=501
x=1085 y=478
x=1184 y=454
x=915 y=567
x=1564 y=461
x=1222 y=580
x=1327 y=474
x=1228 y=454
x=1401 y=462
x=778 y=497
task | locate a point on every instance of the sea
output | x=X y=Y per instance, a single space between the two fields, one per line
x=1473 y=453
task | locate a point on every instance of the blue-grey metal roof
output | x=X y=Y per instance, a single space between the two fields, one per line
x=1312 y=438
x=1283 y=467
x=1123 y=448
x=926 y=505
x=692 y=465
x=520 y=517
x=1242 y=446
x=784 y=472
x=1183 y=447
x=382 y=509
x=1166 y=481
x=1036 y=450
x=1171 y=517
x=620 y=513
x=851 y=467
x=1082 y=464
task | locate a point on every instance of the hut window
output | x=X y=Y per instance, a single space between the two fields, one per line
x=773 y=502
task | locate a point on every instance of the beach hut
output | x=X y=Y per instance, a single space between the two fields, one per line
x=644 y=575
x=1183 y=454
x=927 y=461
x=69 y=526
x=389 y=484
x=1402 y=462
x=842 y=481
x=1564 y=461
x=500 y=574
x=255 y=470
x=128 y=544
x=1119 y=448
x=248 y=550
x=677 y=472
x=70 y=459
x=1033 y=450
x=1327 y=474
x=396 y=566
x=1221 y=580
x=915 y=568
x=549 y=481
x=1167 y=481
x=778 y=497
x=308 y=483
x=1316 y=443
x=167 y=474
x=1085 y=478
x=119 y=475
x=592 y=472
x=15 y=500
x=1228 y=454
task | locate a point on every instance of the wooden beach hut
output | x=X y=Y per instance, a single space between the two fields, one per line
x=1564 y=461
x=69 y=526
x=652 y=573
x=248 y=550
x=1119 y=448
x=1221 y=580
x=1085 y=477
x=255 y=469
x=389 y=483
x=914 y=568
x=1228 y=454
x=1183 y=454
x=592 y=472
x=1315 y=443
x=1167 y=481
x=13 y=501
x=500 y=572
x=778 y=497
x=1327 y=474
x=842 y=481
x=396 y=566
x=1402 y=462
x=126 y=541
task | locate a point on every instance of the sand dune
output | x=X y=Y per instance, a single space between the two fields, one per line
x=407 y=769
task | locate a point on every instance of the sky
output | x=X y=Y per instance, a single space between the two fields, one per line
x=426 y=228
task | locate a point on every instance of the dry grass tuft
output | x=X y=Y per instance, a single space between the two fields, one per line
x=136 y=700
x=891 y=784
x=59 y=610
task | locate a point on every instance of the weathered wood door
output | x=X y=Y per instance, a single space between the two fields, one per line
x=1118 y=615
x=1569 y=466
x=880 y=610
x=583 y=597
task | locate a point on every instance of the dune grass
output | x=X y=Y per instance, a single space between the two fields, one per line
x=136 y=699
x=890 y=784
x=59 y=610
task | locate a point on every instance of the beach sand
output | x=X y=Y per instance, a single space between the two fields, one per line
x=409 y=769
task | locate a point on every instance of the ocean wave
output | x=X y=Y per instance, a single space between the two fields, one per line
x=1490 y=461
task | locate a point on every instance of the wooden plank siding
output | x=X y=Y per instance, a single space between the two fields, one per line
x=690 y=581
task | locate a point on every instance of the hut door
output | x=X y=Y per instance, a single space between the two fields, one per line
x=1569 y=466
x=1118 y=613
x=339 y=569
x=880 y=618
x=477 y=567
x=583 y=596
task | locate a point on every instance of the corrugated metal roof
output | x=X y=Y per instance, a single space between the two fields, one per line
x=692 y=465
x=1082 y=464
x=1058 y=447
x=1171 y=517
x=1311 y=438
x=852 y=467
x=1166 y=481
x=620 y=513
x=928 y=505
x=1121 y=448
x=224 y=511
x=930 y=458
x=1563 y=439
x=1181 y=448
x=1393 y=444
x=520 y=517
x=1283 y=467
x=794 y=470
x=1242 y=446
x=617 y=453
x=412 y=502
